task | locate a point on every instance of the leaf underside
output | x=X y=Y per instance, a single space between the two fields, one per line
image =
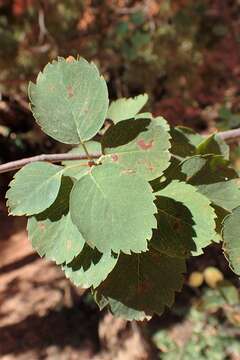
x=140 y=146
x=123 y=109
x=113 y=209
x=69 y=100
x=34 y=188
x=118 y=309
x=52 y=233
x=90 y=267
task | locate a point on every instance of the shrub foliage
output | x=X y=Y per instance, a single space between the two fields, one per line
x=124 y=224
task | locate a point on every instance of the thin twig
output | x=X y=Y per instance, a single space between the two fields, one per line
x=230 y=135
x=14 y=165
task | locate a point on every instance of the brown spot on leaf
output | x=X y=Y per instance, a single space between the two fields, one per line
x=177 y=225
x=145 y=145
x=114 y=157
x=69 y=244
x=70 y=91
x=150 y=167
x=144 y=287
x=41 y=226
x=70 y=59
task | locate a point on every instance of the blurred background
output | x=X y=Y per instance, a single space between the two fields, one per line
x=186 y=55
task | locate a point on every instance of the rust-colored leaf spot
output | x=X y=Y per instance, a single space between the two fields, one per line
x=70 y=59
x=143 y=287
x=145 y=145
x=177 y=225
x=70 y=91
x=114 y=157
x=41 y=226
x=150 y=167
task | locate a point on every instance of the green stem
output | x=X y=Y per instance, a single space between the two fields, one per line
x=86 y=151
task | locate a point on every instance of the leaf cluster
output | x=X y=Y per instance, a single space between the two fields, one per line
x=125 y=224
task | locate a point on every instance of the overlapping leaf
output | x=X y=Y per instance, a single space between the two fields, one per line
x=76 y=168
x=173 y=172
x=140 y=146
x=34 y=188
x=231 y=238
x=183 y=229
x=123 y=109
x=113 y=209
x=69 y=100
x=52 y=232
x=213 y=145
x=143 y=282
x=118 y=309
x=221 y=214
x=159 y=120
x=184 y=142
x=193 y=137
x=90 y=267
x=175 y=235
x=214 y=178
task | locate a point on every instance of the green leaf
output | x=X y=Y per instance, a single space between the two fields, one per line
x=159 y=119
x=118 y=309
x=193 y=137
x=213 y=145
x=181 y=231
x=221 y=214
x=231 y=236
x=76 y=168
x=173 y=172
x=139 y=146
x=34 y=188
x=125 y=132
x=123 y=109
x=214 y=178
x=184 y=142
x=113 y=209
x=90 y=267
x=144 y=282
x=52 y=232
x=69 y=100
x=175 y=235
x=125 y=312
